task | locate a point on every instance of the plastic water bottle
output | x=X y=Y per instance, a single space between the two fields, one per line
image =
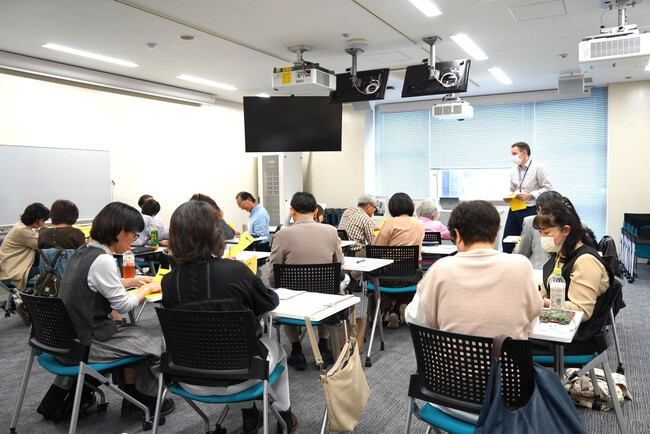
x=128 y=264
x=557 y=285
x=154 y=237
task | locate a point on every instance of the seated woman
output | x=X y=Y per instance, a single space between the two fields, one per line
x=479 y=291
x=150 y=210
x=400 y=230
x=19 y=250
x=428 y=213
x=202 y=280
x=228 y=232
x=61 y=234
x=573 y=250
x=91 y=288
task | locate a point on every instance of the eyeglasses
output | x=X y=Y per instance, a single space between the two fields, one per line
x=136 y=235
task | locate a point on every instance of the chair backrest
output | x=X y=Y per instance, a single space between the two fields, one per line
x=52 y=329
x=405 y=265
x=211 y=345
x=323 y=278
x=343 y=234
x=432 y=237
x=453 y=369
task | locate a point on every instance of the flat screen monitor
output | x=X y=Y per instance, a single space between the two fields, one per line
x=418 y=83
x=292 y=124
x=370 y=86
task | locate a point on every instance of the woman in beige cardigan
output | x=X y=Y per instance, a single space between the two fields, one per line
x=20 y=246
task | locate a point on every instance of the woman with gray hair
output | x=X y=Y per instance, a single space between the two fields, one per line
x=428 y=212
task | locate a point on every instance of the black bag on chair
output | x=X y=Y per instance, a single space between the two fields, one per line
x=47 y=284
x=549 y=409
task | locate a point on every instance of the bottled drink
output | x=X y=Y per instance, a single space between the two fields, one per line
x=154 y=237
x=128 y=264
x=557 y=286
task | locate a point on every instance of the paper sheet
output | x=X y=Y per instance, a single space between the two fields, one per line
x=154 y=296
x=516 y=204
x=251 y=263
x=245 y=240
x=286 y=294
x=159 y=275
x=380 y=225
x=85 y=229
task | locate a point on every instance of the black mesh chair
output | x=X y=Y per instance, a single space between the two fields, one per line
x=211 y=348
x=54 y=338
x=452 y=372
x=343 y=234
x=405 y=268
x=432 y=238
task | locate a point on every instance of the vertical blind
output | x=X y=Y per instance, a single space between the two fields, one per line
x=568 y=136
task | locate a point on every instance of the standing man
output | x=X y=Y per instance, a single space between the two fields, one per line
x=528 y=180
x=258 y=221
x=357 y=222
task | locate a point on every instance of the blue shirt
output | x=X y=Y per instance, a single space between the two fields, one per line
x=258 y=223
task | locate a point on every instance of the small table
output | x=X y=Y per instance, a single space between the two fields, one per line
x=147 y=256
x=439 y=250
x=511 y=239
x=236 y=240
x=346 y=243
x=558 y=335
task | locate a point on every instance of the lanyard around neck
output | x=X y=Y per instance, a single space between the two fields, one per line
x=521 y=180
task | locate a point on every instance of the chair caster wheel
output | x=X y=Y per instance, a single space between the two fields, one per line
x=218 y=430
x=147 y=425
x=381 y=347
x=630 y=280
x=101 y=408
x=7 y=314
x=596 y=405
x=620 y=370
x=368 y=362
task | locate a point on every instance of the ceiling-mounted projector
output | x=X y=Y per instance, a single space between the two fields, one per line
x=452 y=108
x=303 y=77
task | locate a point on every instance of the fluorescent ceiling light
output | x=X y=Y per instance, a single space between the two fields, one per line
x=263 y=95
x=500 y=75
x=90 y=55
x=426 y=7
x=469 y=46
x=206 y=82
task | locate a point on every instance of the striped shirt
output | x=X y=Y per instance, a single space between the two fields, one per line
x=359 y=226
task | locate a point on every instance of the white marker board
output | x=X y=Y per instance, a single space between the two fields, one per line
x=31 y=174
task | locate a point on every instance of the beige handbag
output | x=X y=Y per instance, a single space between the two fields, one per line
x=344 y=385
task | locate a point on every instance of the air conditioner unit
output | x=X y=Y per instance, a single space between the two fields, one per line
x=304 y=80
x=628 y=50
x=453 y=110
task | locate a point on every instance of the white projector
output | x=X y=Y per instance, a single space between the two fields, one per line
x=299 y=80
x=611 y=50
x=453 y=110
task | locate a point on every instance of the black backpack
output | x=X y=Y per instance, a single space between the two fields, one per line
x=47 y=284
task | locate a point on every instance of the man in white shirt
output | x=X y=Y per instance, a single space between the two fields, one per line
x=528 y=180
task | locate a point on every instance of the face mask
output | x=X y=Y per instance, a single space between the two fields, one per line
x=516 y=159
x=548 y=244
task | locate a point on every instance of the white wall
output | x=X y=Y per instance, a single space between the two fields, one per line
x=164 y=149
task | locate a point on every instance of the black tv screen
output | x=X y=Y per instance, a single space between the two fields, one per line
x=292 y=124
x=418 y=83
x=347 y=92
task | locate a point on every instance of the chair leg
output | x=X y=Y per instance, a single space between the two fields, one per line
x=277 y=332
x=23 y=388
x=376 y=320
x=77 y=402
x=265 y=407
x=206 y=420
x=619 y=368
x=158 y=403
x=612 y=393
x=323 y=427
x=594 y=383
x=407 y=428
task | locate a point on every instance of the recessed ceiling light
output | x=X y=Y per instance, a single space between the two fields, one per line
x=469 y=46
x=427 y=7
x=187 y=37
x=500 y=75
x=263 y=95
x=206 y=82
x=89 y=55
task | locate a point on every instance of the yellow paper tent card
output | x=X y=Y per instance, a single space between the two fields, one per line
x=85 y=229
x=159 y=275
x=252 y=264
x=380 y=225
x=245 y=240
x=515 y=204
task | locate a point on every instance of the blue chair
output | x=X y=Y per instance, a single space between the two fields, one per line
x=405 y=267
x=53 y=338
x=204 y=347
x=452 y=373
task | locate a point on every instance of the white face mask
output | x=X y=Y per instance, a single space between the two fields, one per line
x=517 y=159
x=548 y=244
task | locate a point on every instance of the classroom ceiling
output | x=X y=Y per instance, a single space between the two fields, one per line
x=238 y=42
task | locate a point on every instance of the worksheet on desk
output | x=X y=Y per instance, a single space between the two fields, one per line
x=286 y=294
x=308 y=304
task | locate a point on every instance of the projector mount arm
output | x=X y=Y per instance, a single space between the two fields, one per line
x=448 y=79
x=355 y=47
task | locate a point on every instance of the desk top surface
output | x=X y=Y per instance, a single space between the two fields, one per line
x=364 y=264
x=556 y=332
x=314 y=305
x=441 y=249
x=236 y=240
x=247 y=254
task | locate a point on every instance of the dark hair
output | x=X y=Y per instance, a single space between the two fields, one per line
x=523 y=146
x=303 y=202
x=64 y=212
x=113 y=219
x=476 y=221
x=194 y=233
x=320 y=212
x=560 y=214
x=244 y=195
x=143 y=199
x=401 y=203
x=548 y=197
x=151 y=207
x=205 y=198
x=34 y=213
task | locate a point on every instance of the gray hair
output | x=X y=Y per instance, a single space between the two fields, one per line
x=428 y=208
x=367 y=199
x=548 y=197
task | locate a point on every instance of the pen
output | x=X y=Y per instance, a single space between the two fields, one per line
x=360 y=261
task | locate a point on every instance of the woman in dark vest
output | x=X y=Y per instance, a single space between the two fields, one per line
x=91 y=288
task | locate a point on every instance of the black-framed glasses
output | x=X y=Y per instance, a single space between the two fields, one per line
x=136 y=235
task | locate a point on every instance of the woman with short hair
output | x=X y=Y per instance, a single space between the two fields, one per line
x=228 y=232
x=203 y=280
x=428 y=213
x=61 y=234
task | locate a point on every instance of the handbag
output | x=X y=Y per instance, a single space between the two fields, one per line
x=581 y=390
x=344 y=385
x=47 y=284
x=549 y=409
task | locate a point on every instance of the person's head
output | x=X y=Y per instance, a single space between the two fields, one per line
x=428 y=208
x=368 y=203
x=303 y=204
x=548 y=197
x=64 y=212
x=151 y=207
x=560 y=228
x=245 y=201
x=520 y=152
x=320 y=214
x=117 y=226
x=400 y=204
x=474 y=222
x=143 y=199
x=194 y=234
x=35 y=215
x=207 y=199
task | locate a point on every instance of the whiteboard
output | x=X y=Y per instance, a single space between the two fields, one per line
x=30 y=174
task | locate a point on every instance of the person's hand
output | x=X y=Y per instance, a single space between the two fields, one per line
x=547 y=302
x=237 y=233
x=164 y=243
x=136 y=281
x=376 y=229
x=525 y=196
x=507 y=199
x=153 y=287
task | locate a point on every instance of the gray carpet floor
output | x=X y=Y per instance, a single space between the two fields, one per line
x=388 y=380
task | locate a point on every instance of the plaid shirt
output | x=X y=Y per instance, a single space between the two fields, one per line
x=359 y=226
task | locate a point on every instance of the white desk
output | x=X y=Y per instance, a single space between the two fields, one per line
x=247 y=254
x=346 y=243
x=512 y=239
x=364 y=264
x=439 y=250
x=559 y=334
x=236 y=240
x=315 y=305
